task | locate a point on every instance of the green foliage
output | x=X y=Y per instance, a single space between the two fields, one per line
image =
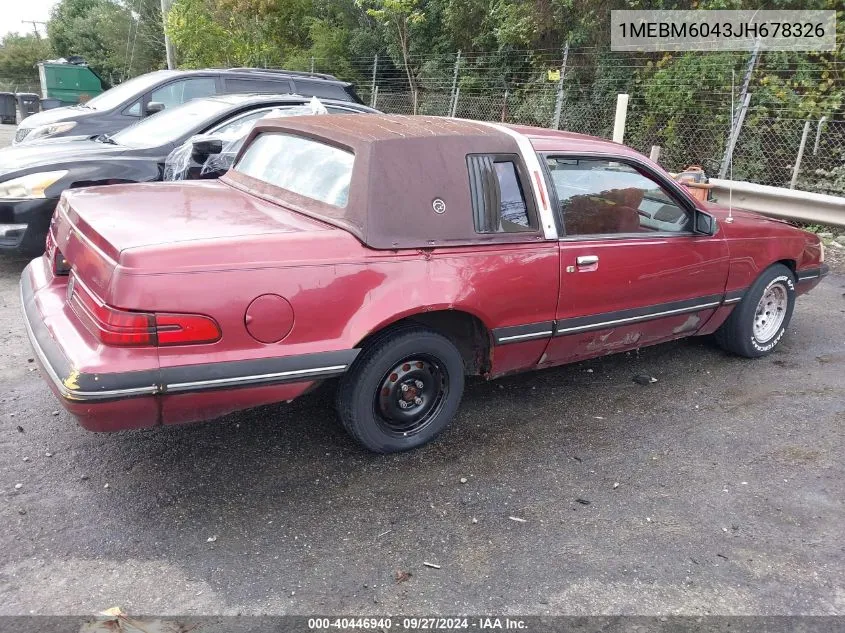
x=116 y=39
x=19 y=55
x=830 y=181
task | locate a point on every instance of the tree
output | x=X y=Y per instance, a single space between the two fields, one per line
x=398 y=17
x=118 y=40
x=19 y=55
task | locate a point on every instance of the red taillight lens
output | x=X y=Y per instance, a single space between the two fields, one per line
x=185 y=329
x=124 y=328
x=113 y=327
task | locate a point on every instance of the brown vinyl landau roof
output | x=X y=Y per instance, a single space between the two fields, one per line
x=402 y=165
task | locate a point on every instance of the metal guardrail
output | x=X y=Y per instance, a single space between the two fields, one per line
x=778 y=202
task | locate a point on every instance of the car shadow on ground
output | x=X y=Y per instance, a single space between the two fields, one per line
x=300 y=452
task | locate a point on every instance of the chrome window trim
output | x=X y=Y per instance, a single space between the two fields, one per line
x=537 y=177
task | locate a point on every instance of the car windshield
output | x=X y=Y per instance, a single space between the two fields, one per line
x=306 y=167
x=121 y=93
x=172 y=124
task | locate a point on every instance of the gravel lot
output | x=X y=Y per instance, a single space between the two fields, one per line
x=730 y=495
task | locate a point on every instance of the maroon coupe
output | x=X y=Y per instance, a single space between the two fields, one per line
x=398 y=254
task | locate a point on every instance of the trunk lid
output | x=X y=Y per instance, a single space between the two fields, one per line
x=167 y=227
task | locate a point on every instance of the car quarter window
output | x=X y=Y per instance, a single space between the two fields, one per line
x=605 y=197
x=499 y=203
x=179 y=92
x=320 y=89
x=134 y=109
x=247 y=85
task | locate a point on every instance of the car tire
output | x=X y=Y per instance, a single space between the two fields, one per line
x=758 y=323
x=402 y=390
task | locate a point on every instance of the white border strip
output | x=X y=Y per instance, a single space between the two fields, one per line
x=538 y=179
x=238 y=380
x=518 y=337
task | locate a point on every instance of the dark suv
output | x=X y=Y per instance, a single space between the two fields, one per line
x=147 y=94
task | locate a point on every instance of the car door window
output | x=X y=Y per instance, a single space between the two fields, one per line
x=181 y=91
x=240 y=123
x=498 y=198
x=605 y=197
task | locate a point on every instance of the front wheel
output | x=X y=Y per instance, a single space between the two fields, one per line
x=402 y=390
x=758 y=323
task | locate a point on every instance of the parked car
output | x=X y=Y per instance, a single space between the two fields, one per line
x=397 y=254
x=210 y=155
x=147 y=94
x=32 y=177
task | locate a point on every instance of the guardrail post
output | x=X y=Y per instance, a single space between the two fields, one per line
x=621 y=115
x=654 y=155
x=800 y=155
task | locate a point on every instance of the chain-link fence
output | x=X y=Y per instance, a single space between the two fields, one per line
x=12 y=84
x=685 y=104
x=688 y=113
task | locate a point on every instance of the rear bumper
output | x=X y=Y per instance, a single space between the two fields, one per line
x=117 y=400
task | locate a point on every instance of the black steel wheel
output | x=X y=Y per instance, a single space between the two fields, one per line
x=402 y=390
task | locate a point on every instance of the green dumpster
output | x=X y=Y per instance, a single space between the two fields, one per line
x=69 y=83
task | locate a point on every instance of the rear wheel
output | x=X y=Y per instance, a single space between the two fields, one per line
x=758 y=323
x=402 y=390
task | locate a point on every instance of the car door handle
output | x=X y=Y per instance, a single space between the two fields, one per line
x=587 y=260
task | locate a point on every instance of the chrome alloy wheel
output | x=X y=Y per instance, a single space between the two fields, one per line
x=770 y=312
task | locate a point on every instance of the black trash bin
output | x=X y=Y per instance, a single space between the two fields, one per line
x=8 y=107
x=28 y=103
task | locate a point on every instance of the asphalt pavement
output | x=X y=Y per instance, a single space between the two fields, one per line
x=719 y=489
x=7 y=133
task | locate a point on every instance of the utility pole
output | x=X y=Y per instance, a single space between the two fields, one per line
x=453 y=101
x=168 y=45
x=559 y=99
x=373 y=91
x=735 y=114
x=34 y=28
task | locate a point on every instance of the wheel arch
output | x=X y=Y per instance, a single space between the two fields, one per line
x=465 y=330
x=789 y=263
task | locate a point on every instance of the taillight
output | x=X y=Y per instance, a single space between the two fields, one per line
x=61 y=266
x=185 y=329
x=126 y=328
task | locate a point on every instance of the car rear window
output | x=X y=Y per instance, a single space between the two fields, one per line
x=306 y=167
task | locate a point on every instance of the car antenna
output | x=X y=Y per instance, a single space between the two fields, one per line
x=730 y=217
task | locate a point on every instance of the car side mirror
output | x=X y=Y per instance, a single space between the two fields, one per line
x=203 y=148
x=705 y=224
x=153 y=107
